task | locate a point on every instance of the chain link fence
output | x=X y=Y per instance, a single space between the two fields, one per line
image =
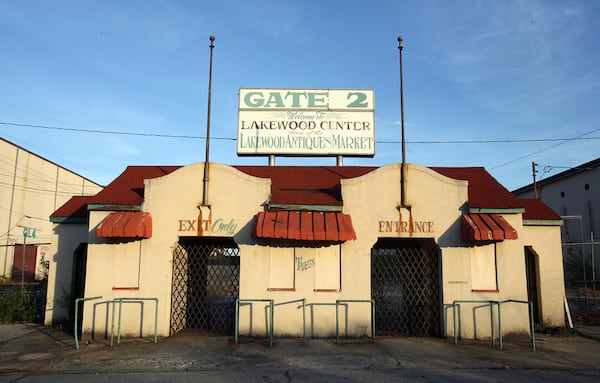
x=581 y=279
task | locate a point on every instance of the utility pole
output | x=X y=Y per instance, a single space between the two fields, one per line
x=534 y=171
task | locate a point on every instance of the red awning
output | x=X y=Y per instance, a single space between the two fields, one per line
x=304 y=225
x=126 y=224
x=486 y=227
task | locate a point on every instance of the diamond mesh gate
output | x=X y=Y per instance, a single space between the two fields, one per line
x=405 y=280
x=206 y=274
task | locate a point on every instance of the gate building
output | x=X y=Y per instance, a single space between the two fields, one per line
x=315 y=250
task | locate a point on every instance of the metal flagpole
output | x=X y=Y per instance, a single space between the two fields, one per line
x=402 y=171
x=206 y=161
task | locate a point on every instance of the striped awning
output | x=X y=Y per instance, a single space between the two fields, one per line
x=126 y=224
x=486 y=227
x=304 y=225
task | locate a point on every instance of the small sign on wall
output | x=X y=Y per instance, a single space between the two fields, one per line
x=304 y=264
x=218 y=226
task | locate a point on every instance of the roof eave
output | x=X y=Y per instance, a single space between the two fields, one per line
x=113 y=207
x=487 y=210
x=69 y=219
x=542 y=222
x=285 y=206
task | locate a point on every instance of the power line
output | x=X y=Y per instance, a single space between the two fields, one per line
x=111 y=132
x=504 y=141
x=543 y=150
x=37 y=189
x=37 y=177
x=57 y=157
x=548 y=168
x=23 y=214
x=499 y=141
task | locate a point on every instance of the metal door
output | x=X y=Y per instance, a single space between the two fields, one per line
x=24 y=263
x=206 y=274
x=78 y=283
x=532 y=281
x=405 y=285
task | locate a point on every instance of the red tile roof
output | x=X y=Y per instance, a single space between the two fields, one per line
x=484 y=191
x=536 y=209
x=127 y=189
x=306 y=185
x=74 y=207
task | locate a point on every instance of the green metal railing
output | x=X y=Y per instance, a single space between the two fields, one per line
x=337 y=321
x=237 y=316
x=76 y=325
x=120 y=301
x=499 y=304
x=490 y=303
x=531 y=320
x=303 y=301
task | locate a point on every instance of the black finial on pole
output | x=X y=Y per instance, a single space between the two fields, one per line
x=207 y=158
x=402 y=171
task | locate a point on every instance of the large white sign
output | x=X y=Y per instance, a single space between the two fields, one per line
x=306 y=122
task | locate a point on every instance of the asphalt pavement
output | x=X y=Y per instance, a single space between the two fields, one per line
x=34 y=353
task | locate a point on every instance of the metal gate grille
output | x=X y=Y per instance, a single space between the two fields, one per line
x=405 y=288
x=206 y=274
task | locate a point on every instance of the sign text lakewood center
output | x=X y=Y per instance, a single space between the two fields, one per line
x=306 y=122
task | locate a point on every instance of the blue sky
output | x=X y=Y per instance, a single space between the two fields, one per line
x=480 y=72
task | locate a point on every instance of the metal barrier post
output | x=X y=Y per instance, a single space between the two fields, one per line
x=454 y=321
x=491 y=303
x=119 y=321
x=304 y=319
x=499 y=325
x=271 y=317
x=337 y=322
x=77 y=315
x=237 y=314
x=337 y=304
x=120 y=300
x=272 y=325
x=112 y=323
x=492 y=319
x=531 y=326
x=531 y=320
x=373 y=319
x=500 y=333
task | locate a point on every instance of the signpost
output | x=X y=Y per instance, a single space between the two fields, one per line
x=306 y=122
x=27 y=233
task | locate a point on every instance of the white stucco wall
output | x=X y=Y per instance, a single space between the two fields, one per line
x=234 y=199
x=66 y=237
x=461 y=283
x=545 y=242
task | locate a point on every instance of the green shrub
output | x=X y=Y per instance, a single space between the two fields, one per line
x=22 y=305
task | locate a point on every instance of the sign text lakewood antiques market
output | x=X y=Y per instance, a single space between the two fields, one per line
x=306 y=122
